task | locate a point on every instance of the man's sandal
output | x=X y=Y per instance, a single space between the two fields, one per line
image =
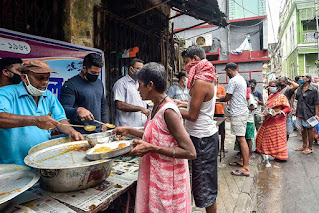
x=307 y=151
x=301 y=148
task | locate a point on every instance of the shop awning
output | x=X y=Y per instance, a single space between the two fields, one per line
x=206 y=10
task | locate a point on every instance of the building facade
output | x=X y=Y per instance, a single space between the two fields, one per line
x=298 y=48
x=247 y=21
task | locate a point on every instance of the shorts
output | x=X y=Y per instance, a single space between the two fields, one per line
x=221 y=127
x=250 y=131
x=204 y=171
x=238 y=125
x=290 y=127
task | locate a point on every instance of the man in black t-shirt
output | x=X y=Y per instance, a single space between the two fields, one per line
x=307 y=107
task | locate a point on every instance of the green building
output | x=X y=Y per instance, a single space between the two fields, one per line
x=298 y=47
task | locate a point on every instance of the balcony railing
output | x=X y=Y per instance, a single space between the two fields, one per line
x=309 y=37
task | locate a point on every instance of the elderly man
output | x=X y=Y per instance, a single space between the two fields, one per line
x=236 y=93
x=307 y=107
x=28 y=111
x=130 y=108
x=82 y=96
x=10 y=71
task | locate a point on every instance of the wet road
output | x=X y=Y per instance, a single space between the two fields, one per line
x=292 y=186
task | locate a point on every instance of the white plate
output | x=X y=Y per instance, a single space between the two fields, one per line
x=91 y=155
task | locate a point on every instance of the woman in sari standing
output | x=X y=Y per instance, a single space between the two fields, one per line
x=271 y=136
x=163 y=183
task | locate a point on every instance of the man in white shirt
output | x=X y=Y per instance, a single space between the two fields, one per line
x=130 y=108
x=237 y=95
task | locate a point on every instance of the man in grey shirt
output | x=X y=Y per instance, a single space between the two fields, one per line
x=237 y=95
x=130 y=108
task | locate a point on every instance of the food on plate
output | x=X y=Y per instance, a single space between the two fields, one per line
x=108 y=149
x=102 y=149
x=121 y=145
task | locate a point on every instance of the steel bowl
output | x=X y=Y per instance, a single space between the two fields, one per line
x=63 y=166
x=101 y=137
x=259 y=117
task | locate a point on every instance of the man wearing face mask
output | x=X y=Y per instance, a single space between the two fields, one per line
x=130 y=108
x=178 y=90
x=28 y=111
x=236 y=93
x=10 y=71
x=307 y=107
x=82 y=96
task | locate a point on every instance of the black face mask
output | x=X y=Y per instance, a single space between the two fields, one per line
x=91 y=77
x=229 y=75
x=15 y=79
x=252 y=87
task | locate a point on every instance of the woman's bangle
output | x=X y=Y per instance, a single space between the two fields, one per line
x=173 y=151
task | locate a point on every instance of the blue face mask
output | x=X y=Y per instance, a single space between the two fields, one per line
x=273 y=90
x=301 y=82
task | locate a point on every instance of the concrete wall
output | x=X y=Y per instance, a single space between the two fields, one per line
x=248 y=70
x=79 y=26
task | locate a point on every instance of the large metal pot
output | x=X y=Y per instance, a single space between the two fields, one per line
x=65 y=169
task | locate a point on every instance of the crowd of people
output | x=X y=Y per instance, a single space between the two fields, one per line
x=179 y=127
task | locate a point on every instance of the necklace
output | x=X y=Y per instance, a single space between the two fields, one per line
x=155 y=110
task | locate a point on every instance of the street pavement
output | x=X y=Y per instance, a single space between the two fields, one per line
x=292 y=186
x=233 y=192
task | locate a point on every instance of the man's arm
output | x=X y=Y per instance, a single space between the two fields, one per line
x=8 y=120
x=294 y=86
x=199 y=92
x=225 y=98
x=131 y=108
x=72 y=133
x=119 y=92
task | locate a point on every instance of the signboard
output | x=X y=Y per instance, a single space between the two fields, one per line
x=62 y=57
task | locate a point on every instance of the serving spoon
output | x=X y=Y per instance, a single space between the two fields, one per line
x=88 y=128
x=110 y=126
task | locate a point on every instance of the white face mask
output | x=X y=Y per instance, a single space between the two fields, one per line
x=185 y=80
x=32 y=90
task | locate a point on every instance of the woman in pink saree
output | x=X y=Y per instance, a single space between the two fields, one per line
x=163 y=183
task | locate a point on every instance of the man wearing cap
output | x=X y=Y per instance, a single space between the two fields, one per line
x=236 y=93
x=28 y=111
x=178 y=90
x=10 y=71
x=82 y=96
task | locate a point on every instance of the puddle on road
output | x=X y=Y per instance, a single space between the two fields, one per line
x=269 y=189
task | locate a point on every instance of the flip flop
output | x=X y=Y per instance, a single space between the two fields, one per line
x=235 y=163
x=300 y=148
x=237 y=172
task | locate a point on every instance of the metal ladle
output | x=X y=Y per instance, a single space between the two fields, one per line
x=88 y=128
x=110 y=126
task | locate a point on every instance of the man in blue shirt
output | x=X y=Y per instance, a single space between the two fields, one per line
x=178 y=90
x=82 y=96
x=25 y=111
